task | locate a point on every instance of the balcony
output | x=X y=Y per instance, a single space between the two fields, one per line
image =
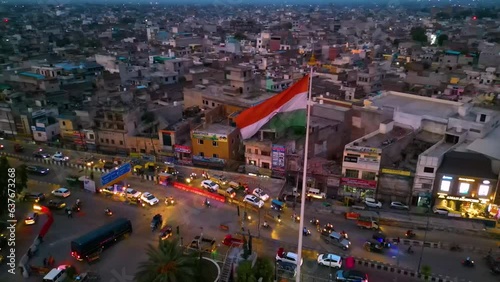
x=231 y=90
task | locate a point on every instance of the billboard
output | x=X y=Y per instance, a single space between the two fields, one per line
x=278 y=157
x=209 y=136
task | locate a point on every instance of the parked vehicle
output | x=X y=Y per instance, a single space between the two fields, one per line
x=351 y=276
x=35 y=169
x=61 y=192
x=368 y=223
x=290 y=257
x=33 y=196
x=91 y=244
x=330 y=260
x=372 y=203
x=277 y=205
x=165 y=232
x=229 y=241
x=201 y=244
x=399 y=206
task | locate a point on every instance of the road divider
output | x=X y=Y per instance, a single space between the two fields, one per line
x=402 y=271
x=199 y=191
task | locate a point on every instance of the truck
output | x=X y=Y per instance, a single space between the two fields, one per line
x=368 y=223
x=202 y=244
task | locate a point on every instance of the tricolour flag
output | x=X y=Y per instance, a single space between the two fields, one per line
x=287 y=108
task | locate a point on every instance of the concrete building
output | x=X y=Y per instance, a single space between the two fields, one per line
x=113 y=124
x=445 y=125
x=214 y=144
x=45 y=129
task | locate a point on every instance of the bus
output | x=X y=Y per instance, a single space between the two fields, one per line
x=90 y=245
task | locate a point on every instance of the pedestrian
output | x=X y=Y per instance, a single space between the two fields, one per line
x=70 y=214
x=51 y=261
x=45 y=263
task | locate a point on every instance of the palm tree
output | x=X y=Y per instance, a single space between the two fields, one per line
x=168 y=263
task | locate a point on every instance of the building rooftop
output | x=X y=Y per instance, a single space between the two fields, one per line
x=416 y=105
x=438 y=149
x=246 y=101
x=381 y=140
x=488 y=145
x=466 y=163
x=217 y=128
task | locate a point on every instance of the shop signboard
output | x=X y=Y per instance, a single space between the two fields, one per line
x=209 y=136
x=278 y=157
x=364 y=150
x=396 y=172
x=360 y=183
x=182 y=149
x=350 y=159
x=461 y=199
x=214 y=161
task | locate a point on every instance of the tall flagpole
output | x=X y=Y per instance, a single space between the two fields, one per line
x=304 y=171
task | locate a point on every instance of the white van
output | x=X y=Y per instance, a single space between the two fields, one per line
x=315 y=193
x=55 y=275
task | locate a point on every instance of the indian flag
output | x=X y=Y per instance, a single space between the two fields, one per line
x=286 y=109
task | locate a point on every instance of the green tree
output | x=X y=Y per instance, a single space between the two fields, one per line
x=239 y=36
x=418 y=34
x=441 y=39
x=264 y=268
x=245 y=272
x=168 y=263
x=21 y=178
x=426 y=271
x=396 y=42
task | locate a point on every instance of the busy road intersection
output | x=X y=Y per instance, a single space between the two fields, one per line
x=195 y=218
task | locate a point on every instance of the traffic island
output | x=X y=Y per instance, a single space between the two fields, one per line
x=210 y=270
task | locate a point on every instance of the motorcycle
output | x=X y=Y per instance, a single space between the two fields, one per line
x=266 y=226
x=296 y=218
x=410 y=251
x=468 y=263
x=76 y=208
x=207 y=204
x=314 y=222
x=306 y=232
x=344 y=234
x=410 y=234
x=108 y=212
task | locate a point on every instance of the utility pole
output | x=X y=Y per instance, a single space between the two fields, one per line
x=423 y=245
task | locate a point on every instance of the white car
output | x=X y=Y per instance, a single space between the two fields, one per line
x=441 y=210
x=61 y=192
x=131 y=193
x=288 y=257
x=399 y=205
x=330 y=260
x=260 y=193
x=210 y=185
x=372 y=203
x=251 y=199
x=59 y=157
x=149 y=198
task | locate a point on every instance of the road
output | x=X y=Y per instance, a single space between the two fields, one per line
x=191 y=216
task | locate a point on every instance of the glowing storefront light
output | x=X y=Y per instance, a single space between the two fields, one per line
x=445 y=185
x=464 y=188
x=483 y=190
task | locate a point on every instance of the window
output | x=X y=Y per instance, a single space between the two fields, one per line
x=120 y=127
x=463 y=188
x=64 y=123
x=483 y=190
x=264 y=153
x=91 y=136
x=265 y=165
x=482 y=118
x=121 y=142
x=249 y=151
x=256 y=151
x=39 y=134
x=428 y=169
x=112 y=141
x=213 y=104
x=215 y=144
x=107 y=141
x=202 y=154
x=200 y=142
x=215 y=155
x=368 y=175
x=445 y=185
x=102 y=140
x=351 y=173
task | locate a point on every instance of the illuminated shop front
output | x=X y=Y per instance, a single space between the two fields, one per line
x=357 y=189
x=469 y=197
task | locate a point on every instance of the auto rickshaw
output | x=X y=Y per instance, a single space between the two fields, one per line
x=166 y=232
x=151 y=166
x=277 y=205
